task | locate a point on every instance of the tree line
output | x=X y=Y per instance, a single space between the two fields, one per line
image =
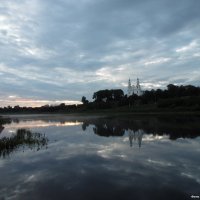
x=61 y=108
x=173 y=96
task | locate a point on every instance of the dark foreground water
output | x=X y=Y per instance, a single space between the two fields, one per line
x=57 y=157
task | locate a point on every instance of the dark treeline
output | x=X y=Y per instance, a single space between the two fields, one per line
x=62 y=108
x=174 y=97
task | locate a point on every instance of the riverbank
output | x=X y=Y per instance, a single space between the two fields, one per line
x=107 y=113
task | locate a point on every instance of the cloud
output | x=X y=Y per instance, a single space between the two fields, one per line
x=189 y=47
x=157 y=61
x=64 y=49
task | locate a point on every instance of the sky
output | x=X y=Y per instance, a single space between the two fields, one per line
x=58 y=51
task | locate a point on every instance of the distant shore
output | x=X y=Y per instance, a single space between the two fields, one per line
x=107 y=113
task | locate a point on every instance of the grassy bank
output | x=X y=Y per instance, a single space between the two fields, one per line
x=118 y=111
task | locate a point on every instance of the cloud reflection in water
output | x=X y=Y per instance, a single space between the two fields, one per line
x=79 y=164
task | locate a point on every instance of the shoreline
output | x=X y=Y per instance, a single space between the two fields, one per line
x=104 y=113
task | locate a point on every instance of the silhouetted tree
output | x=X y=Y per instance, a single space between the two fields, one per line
x=108 y=95
x=84 y=100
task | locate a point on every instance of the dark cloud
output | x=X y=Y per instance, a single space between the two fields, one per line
x=56 y=47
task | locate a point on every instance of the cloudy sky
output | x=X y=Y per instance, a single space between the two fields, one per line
x=64 y=49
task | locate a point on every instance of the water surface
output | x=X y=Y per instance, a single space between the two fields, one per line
x=57 y=157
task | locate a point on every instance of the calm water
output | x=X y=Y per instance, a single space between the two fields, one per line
x=57 y=157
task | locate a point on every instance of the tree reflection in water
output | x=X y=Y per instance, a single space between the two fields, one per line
x=136 y=128
x=22 y=138
x=1 y=128
x=4 y=121
x=108 y=128
x=136 y=135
